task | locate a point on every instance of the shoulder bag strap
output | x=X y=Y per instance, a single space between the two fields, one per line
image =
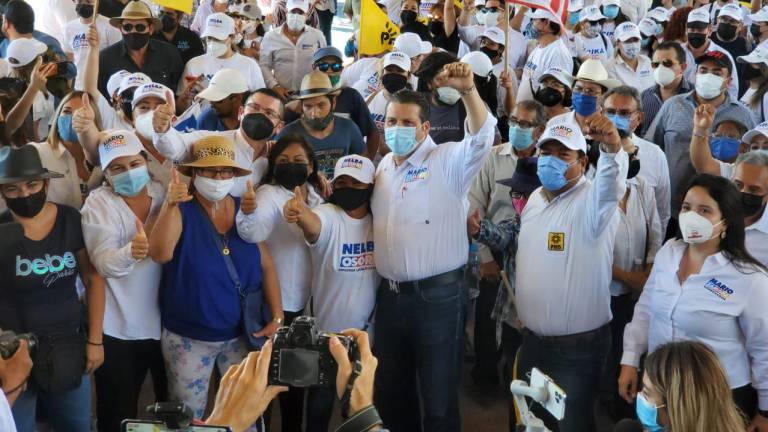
x=220 y=244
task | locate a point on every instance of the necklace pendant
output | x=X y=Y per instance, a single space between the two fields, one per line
x=225 y=251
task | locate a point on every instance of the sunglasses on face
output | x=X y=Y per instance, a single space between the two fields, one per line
x=323 y=67
x=140 y=28
x=489 y=9
x=666 y=63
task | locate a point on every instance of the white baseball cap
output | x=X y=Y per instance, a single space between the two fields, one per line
x=732 y=10
x=758 y=55
x=542 y=13
x=297 y=4
x=113 y=84
x=494 y=34
x=21 y=52
x=565 y=131
x=479 y=63
x=398 y=59
x=411 y=45
x=759 y=16
x=647 y=27
x=761 y=129
x=133 y=80
x=562 y=76
x=700 y=15
x=591 y=13
x=149 y=90
x=658 y=14
x=118 y=143
x=219 y=26
x=224 y=83
x=575 y=5
x=626 y=31
x=358 y=167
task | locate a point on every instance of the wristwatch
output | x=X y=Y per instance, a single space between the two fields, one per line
x=278 y=320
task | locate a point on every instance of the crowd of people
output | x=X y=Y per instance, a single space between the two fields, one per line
x=585 y=191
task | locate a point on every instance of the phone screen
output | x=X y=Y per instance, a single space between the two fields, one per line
x=156 y=426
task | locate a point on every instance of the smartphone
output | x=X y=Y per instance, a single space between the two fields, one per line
x=158 y=426
x=556 y=401
x=61 y=68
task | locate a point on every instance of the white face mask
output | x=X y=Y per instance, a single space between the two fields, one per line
x=213 y=190
x=295 y=22
x=216 y=48
x=695 y=227
x=490 y=19
x=709 y=86
x=663 y=76
x=143 y=125
x=448 y=95
x=249 y=27
x=593 y=30
x=630 y=50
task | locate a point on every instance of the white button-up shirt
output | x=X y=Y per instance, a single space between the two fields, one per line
x=722 y=306
x=284 y=63
x=69 y=190
x=640 y=78
x=132 y=307
x=285 y=240
x=654 y=170
x=565 y=253
x=177 y=145
x=420 y=207
x=756 y=235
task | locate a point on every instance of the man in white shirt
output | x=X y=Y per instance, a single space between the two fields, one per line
x=550 y=51
x=75 y=44
x=564 y=260
x=628 y=65
x=419 y=211
x=699 y=29
x=287 y=50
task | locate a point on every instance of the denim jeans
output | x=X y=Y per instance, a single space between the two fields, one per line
x=68 y=411
x=575 y=364
x=622 y=309
x=418 y=342
x=320 y=402
x=487 y=354
x=325 y=22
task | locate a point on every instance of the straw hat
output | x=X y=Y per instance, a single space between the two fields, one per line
x=213 y=151
x=137 y=10
x=315 y=84
x=594 y=71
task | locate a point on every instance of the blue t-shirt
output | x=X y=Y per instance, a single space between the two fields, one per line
x=345 y=139
x=209 y=121
x=198 y=299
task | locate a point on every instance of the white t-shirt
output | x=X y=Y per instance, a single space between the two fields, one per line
x=378 y=106
x=344 y=279
x=596 y=48
x=608 y=29
x=6 y=416
x=208 y=65
x=42 y=111
x=556 y=54
x=75 y=42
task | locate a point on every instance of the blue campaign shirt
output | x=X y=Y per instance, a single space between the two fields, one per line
x=209 y=121
x=53 y=46
x=198 y=299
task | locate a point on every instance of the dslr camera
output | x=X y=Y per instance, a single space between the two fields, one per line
x=301 y=356
x=10 y=341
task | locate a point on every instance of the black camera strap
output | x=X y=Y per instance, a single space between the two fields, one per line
x=357 y=368
x=364 y=420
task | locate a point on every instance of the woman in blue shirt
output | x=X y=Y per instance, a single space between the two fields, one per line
x=207 y=269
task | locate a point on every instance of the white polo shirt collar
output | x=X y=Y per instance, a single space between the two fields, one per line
x=761 y=224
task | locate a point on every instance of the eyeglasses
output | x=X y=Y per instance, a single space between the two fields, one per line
x=224 y=173
x=523 y=124
x=140 y=28
x=623 y=113
x=666 y=63
x=489 y=9
x=266 y=111
x=323 y=67
x=587 y=91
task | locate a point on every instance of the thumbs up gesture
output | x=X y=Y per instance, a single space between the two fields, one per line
x=177 y=190
x=295 y=207
x=473 y=223
x=248 y=199
x=164 y=114
x=84 y=116
x=139 y=244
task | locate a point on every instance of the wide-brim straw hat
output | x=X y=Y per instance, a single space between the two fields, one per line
x=594 y=71
x=213 y=151
x=137 y=10
x=315 y=84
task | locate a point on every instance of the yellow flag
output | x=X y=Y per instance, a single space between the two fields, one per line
x=181 y=5
x=377 y=32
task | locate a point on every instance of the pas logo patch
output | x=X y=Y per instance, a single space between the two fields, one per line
x=556 y=241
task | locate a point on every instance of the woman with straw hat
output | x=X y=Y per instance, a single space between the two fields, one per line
x=217 y=290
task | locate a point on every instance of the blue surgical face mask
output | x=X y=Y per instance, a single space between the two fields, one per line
x=520 y=138
x=621 y=122
x=583 y=104
x=64 y=126
x=724 y=148
x=131 y=182
x=400 y=139
x=647 y=413
x=611 y=11
x=573 y=18
x=551 y=171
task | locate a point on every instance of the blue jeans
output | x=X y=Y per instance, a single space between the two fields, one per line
x=575 y=363
x=68 y=411
x=418 y=341
x=320 y=402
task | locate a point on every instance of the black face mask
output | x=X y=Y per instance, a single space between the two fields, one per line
x=169 y=23
x=393 y=82
x=754 y=30
x=548 y=97
x=750 y=73
x=634 y=167
x=750 y=203
x=136 y=41
x=349 y=198
x=260 y=30
x=726 y=31
x=696 y=40
x=436 y=28
x=84 y=10
x=318 y=124
x=28 y=206
x=257 y=126
x=492 y=54
x=408 y=17
x=290 y=175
